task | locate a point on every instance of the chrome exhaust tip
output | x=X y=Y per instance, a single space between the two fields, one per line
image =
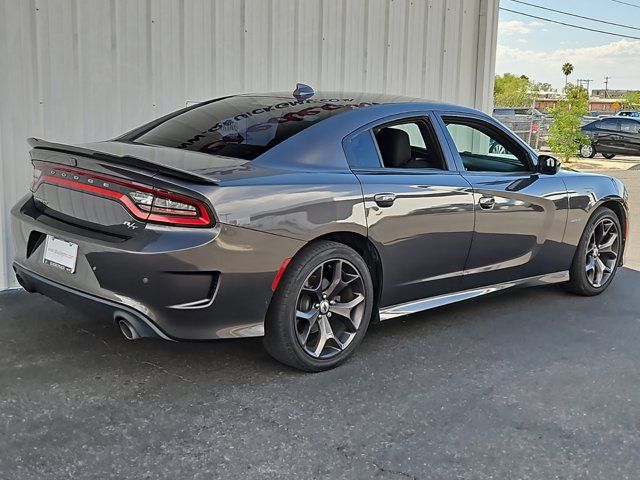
x=127 y=330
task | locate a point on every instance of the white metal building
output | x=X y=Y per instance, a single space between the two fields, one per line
x=76 y=71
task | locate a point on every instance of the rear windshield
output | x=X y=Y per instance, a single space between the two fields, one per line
x=243 y=126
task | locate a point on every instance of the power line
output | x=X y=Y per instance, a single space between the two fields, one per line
x=576 y=15
x=570 y=24
x=626 y=3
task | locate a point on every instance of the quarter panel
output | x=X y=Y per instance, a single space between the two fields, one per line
x=300 y=205
x=586 y=193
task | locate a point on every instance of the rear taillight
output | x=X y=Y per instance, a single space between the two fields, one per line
x=37 y=173
x=143 y=201
x=171 y=208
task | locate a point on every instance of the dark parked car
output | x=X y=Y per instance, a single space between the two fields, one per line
x=628 y=113
x=304 y=218
x=612 y=136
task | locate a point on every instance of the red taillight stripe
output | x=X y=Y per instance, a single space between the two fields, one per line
x=202 y=220
x=121 y=197
x=279 y=274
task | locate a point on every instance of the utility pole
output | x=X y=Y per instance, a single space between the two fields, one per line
x=583 y=81
x=588 y=82
x=606 y=86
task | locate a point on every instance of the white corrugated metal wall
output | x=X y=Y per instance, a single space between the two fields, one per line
x=83 y=70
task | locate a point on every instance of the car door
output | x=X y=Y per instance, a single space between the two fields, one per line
x=606 y=136
x=630 y=136
x=520 y=214
x=419 y=212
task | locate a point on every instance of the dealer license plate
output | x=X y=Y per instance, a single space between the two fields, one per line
x=60 y=254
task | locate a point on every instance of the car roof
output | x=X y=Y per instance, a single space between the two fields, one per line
x=364 y=97
x=320 y=145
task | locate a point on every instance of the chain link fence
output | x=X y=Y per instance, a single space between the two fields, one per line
x=533 y=129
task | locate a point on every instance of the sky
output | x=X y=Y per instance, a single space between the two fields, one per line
x=538 y=49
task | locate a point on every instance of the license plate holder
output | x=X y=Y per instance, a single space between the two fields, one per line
x=60 y=254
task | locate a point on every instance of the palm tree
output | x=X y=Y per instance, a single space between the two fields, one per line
x=567 y=69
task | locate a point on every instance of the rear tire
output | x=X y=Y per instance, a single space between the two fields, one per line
x=321 y=309
x=588 y=151
x=608 y=156
x=597 y=257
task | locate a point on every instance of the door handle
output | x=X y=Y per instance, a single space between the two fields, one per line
x=384 y=199
x=487 y=202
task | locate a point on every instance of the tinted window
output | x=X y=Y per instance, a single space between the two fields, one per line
x=629 y=126
x=361 y=151
x=415 y=135
x=409 y=144
x=608 y=124
x=483 y=150
x=243 y=126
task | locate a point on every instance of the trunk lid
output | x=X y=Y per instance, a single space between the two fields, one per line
x=117 y=188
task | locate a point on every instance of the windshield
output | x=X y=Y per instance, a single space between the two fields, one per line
x=243 y=126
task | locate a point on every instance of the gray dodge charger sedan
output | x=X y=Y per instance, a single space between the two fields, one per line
x=305 y=217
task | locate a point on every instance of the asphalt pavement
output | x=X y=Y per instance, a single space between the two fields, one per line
x=528 y=384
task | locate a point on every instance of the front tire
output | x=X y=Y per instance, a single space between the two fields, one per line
x=596 y=260
x=321 y=309
x=608 y=156
x=587 y=151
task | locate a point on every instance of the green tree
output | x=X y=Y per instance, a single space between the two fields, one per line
x=565 y=137
x=632 y=99
x=542 y=87
x=567 y=69
x=512 y=91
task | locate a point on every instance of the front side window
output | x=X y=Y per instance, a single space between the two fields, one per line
x=481 y=149
x=629 y=126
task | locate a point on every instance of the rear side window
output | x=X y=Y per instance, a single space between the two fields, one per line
x=243 y=126
x=410 y=143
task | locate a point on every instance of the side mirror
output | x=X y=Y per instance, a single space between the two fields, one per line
x=548 y=165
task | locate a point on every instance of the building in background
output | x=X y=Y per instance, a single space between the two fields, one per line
x=604 y=93
x=601 y=106
x=77 y=71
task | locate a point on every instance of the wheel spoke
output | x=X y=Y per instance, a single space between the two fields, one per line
x=607 y=244
x=325 y=333
x=336 y=281
x=345 y=310
x=341 y=279
x=600 y=271
x=318 y=276
x=304 y=335
x=311 y=316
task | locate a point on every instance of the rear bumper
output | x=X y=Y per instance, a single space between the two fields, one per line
x=185 y=284
x=88 y=304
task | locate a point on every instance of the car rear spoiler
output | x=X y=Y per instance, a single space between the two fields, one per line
x=127 y=160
